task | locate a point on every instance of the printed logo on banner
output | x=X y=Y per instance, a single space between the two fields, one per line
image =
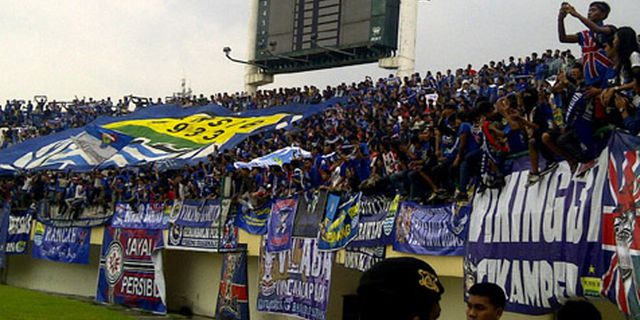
x=340 y=225
x=233 y=294
x=254 y=221
x=131 y=269
x=295 y=282
x=175 y=210
x=19 y=231
x=280 y=224
x=68 y=245
x=311 y=206
x=363 y=258
x=374 y=214
x=539 y=243
x=142 y=216
x=433 y=230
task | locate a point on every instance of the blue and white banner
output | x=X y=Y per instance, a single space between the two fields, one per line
x=131 y=269
x=295 y=282
x=377 y=216
x=276 y=158
x=362 y=258
x=168 y=133
x=141 y=216
x=340 y=223
x=201 y=213
x=233 y=295
x=280 y=225
x=254 y=221
x=204 y=225
x=541 y=243
x=433 y=230
x=4 y=232
x=68 y=245
x=19 y=231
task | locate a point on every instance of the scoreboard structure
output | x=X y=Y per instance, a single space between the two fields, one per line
x=302 y=35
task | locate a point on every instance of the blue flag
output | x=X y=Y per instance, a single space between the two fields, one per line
x=280 y=226
x=340 y=224
x=254 y=221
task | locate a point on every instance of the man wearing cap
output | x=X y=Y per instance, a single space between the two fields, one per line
x=400 y=289
x=486 y=302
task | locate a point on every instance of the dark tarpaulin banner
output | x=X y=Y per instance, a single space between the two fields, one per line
x=540 y=243
x=340 y=225
x=140 y=216
x=204 y=225
x=68 y=245
x=19 y=231
x=311 y=207
x=233 y=294
x=280 y=224
x=433 y=230
x=201 y=213
x=131 y=269
x=254 y=221
x=295 y=282
x=377 y=216
x=4 y=233
x=362 y=258
x=620 y=220
x=79 y=216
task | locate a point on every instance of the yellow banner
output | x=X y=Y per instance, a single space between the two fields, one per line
x=201 y=129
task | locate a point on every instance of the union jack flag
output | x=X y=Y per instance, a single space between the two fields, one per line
x=594 y=60
x=621 y=230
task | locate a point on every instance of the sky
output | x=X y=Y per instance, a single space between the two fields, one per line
x=70 y=48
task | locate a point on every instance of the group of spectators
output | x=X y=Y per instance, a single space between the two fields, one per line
x=426 y=137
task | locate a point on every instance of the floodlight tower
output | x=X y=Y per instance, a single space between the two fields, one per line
x=304 y=35
x=405 y=60
x=253 y=75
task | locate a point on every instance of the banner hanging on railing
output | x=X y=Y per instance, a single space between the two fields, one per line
x=295 y=282
x=311 y=206
x=280 y=224
x=19 y=231
x=140 y=216
x=620 y=225
x=340 y=223
x=233 y=294
x=254 y=221
x=4 y=232
x=363 y=258
x=377 y=216
x=80 y=215
x=203 y=225
x=131 y=269
x=433 y=230
x=68 y=245
x=541 y=242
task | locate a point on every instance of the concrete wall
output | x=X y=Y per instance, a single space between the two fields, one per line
x=192 y=281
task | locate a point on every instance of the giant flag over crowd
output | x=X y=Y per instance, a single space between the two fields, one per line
x=167 y=133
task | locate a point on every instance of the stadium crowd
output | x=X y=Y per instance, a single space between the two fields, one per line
x=427 y=137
